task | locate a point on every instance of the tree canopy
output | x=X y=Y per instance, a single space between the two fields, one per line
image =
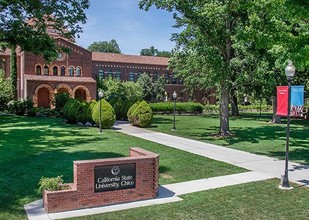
x=155 y=52
x=236 y=44
x=105 y=46
x=24 y=23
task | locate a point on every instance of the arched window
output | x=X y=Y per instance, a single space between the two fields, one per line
x=132 y=76
x=71 y=71
x=46 y=70
x=55 y=71
x=174 y=79
x=118 y=75
x=139 y=74
x=78 y=71
x=62 y=71
x=101 y=74
x=167 y=78
x=109 y=74
x=155 y=77
x=38 y=70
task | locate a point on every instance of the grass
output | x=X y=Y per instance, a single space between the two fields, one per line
x=257 y=200
x=251 y=133
x=34 y=147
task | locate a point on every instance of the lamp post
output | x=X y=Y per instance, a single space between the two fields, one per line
x=100 y=97
x=260 y=105
x=174 y=98
x=289 y=72
x=165 y=96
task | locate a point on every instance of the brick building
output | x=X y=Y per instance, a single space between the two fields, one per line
x=76 y=72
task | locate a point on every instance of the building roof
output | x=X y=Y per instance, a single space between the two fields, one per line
x=130 y=59
x=59 y=78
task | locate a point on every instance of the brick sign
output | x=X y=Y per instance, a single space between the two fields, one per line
x=114 y=177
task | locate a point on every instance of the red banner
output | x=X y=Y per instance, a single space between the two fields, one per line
x=282 y=100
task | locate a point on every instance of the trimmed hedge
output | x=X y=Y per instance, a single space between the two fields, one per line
x=70 y=110
x=121 y=106
x=81 y=113
x=142 y=115
x=131 y=110
x=181 y=107
x=108 y=114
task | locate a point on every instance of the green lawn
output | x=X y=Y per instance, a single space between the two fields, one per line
x=35 y=147
x=251 y=133
x=258 y=200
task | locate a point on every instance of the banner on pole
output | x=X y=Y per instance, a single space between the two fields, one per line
x=282 y=100
x=297 y=100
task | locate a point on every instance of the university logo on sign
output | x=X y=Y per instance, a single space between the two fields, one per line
x=114 y=177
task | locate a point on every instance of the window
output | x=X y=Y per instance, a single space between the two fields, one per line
x=167 y=78
x=174 y=79
x=46 y=70
x=38 y=70
x=109 y=74
x=155 y=77
x=132 y=76
x=101 y=74
x=139 y=74
x=55 y=71
x=71 y=71
x=118 y=75
x=78 y=71
x=62 y=71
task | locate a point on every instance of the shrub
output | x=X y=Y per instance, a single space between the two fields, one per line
x=61 y=99
x=131 y=110
x=51 y=184
x=142 y=115
x=33 y=111
x=19 y=107
x=89 y=111
x=70 y=110
x=108 y=114
x=81 y=113
x=181 y=107
x=121 y=106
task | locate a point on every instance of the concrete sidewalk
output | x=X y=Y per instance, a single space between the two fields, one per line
x=167 y=194
x=265 y=165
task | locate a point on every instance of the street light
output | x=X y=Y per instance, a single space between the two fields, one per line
x=174 y=98
x=260 y=105
x=165 y=96
x=100 y=97
x=289 y=72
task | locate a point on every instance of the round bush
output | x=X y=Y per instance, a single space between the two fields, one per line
x=108 y=114
x=81 y=114
x=89 y=111
x=131 y=110
x=70 y=110
x=142 y=115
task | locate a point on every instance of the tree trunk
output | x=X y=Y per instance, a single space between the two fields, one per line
x=13 y=71
x=224 y=111
x=234 y=103
x=276 y=119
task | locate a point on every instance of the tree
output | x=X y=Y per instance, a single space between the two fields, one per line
x=24 y=23
x=155 y=52
x=5 y=91
x=105 y=47
x=221 y=41
x=147 y=86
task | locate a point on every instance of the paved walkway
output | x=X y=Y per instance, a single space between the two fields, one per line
x=265 y=165
x=261 y=168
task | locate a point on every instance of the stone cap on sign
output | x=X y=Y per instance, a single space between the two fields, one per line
x=134 y=152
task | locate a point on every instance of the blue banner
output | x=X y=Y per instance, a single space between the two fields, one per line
x=297 y=100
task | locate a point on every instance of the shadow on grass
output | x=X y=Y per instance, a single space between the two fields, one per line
x=30 y=149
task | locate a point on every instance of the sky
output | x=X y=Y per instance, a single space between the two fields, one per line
x=133 y=29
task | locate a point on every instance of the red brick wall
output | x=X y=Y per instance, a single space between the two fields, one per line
x=82 y=193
